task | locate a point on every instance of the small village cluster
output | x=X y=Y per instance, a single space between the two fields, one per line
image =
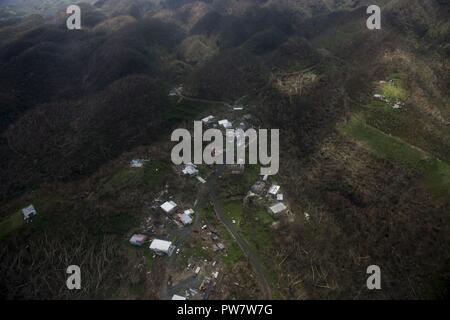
x=203 y=274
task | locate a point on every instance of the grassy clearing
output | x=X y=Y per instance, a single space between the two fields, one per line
x=436 y=173
x=394 y=90
x=254 y=226
x=186 y=110
x=407 y=123
x=10 y=223
x=116 y=223
x=233 y=185
x=411 y=127
x=337 y=37
x=152 y=175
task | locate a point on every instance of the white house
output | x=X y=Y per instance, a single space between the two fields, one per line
x=162 y=247
x=169 y=206
x=277 y=209
x=29 y=212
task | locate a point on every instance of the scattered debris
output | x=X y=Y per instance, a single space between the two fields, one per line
x=162 y=247
x=190 y=169
x=177 y=91
x=208 y=120
x=307 y=216
x=29 y=212
x=201 y=180
x=236 y=168
x=138 y=163
x=258 y=187
x=398 y=105
x=138 y=239
x=226 y=124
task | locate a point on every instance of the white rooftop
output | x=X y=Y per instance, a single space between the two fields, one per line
x=168 y=206
x=274 y=189
x=190 y=169
x=225 y=123
x=177 y=297
x=278 y=208
x=208 y=119
x=161 y=245
x=28 y=212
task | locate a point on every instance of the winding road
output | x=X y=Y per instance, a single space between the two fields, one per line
x=218 y=208
x=245 y=247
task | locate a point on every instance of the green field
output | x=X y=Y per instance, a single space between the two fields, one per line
x=436 y=173
x=10 y=223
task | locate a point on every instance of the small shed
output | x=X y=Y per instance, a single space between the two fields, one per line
x=29 y=212
x=274 y=190
x=185 y=219
x=138 y=239
x=162 y=247
x=169 y=206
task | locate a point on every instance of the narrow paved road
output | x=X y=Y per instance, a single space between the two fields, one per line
x=226 y=104
x=246 y=249
x=218 y=208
